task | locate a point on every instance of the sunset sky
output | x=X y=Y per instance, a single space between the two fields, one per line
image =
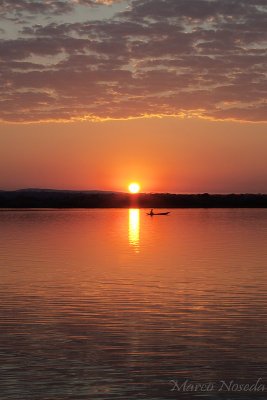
x=171 y=94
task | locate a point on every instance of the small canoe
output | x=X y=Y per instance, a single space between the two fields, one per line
x=165 y=213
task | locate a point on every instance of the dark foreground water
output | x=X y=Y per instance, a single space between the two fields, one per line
x=114 y=304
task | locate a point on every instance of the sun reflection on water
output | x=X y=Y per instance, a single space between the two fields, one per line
x=134 y=228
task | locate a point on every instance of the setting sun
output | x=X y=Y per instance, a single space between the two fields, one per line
x=134 y=188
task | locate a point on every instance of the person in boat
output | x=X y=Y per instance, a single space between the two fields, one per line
x=151 y=211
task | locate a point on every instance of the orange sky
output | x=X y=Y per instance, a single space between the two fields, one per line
x=162 y=155
x=199 y=64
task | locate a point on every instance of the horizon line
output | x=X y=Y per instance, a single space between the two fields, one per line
x=132 y=194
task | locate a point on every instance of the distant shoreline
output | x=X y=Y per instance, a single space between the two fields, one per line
x=63 y=199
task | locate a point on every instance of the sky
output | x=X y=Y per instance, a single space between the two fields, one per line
x=168 y=93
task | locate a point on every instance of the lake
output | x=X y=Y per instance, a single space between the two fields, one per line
x=115 y=304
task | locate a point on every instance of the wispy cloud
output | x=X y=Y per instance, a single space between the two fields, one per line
x=19 y=7
x=157 y=57
x=50 y=6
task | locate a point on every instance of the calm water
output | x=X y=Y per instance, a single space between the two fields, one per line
x=114 y=304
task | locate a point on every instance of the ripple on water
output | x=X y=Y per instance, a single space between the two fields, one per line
x=108 y=304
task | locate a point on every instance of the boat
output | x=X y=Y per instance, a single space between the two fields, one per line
x=164 y=213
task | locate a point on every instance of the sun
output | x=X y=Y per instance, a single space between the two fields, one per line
x=134 y=188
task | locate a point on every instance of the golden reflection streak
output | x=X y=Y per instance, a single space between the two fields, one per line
x=134 y=228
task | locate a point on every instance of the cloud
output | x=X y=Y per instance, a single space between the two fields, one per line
x=157 y=57
x=22 y=7
x=18 y=7
x=96 y=2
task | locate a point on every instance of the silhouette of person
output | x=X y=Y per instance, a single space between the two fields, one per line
x=151 y=211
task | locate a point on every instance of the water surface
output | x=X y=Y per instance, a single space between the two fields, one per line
x=103 y=304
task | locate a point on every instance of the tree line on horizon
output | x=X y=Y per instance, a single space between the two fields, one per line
x=86 y=199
